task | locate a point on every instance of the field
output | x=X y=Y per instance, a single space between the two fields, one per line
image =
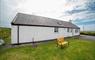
x=77 y=50
x=5 y=34
x=88 y=33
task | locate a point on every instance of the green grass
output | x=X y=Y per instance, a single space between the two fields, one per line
x=88 y=33
x=77 y=50
x=5 y=34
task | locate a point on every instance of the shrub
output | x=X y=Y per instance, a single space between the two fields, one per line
x=88 y=33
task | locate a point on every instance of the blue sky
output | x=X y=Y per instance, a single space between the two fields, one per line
x=81 y=12
x=84 y=22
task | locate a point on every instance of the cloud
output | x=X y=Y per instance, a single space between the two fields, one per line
x=83 y=22
x=83 y=14
x=91 y=6
x=90 y=27
x=59 y=9
x=75 y=11
x=87 y=6
x=8 y=10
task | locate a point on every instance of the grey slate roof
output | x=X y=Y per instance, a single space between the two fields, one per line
x=32 y=20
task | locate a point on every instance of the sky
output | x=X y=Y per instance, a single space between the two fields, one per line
x=81 y=12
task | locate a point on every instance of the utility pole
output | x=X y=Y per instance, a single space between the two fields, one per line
x=83 y=27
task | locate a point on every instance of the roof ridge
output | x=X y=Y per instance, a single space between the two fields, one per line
x=42 y=17
x=28 y=19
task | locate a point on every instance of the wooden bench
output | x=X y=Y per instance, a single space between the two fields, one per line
x=61 y=43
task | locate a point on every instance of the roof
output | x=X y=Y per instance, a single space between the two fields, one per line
x=33 y=20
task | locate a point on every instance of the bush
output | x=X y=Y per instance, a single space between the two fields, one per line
x=88 y=33
x=5 y=34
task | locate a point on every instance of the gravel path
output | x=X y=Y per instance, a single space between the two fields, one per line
x=87 y=37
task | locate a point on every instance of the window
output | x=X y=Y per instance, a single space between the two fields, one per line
x=71 y=30
x=76 y=30
x=56 y=29
x=67 y=29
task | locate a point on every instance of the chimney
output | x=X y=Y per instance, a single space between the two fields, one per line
x=70 y=21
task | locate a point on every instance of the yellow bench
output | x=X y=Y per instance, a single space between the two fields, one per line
x=61 y=43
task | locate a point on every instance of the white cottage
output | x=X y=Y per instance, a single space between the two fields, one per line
x=30 y=28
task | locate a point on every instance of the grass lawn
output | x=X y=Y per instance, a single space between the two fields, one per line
x=77 y=50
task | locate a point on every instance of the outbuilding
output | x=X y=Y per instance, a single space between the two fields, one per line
x=31 y=28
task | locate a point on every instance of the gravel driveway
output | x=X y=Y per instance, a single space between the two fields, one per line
x=87 y=37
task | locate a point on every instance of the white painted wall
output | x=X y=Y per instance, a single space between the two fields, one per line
x=14 y=34
x=28 y=33
x=78 y=33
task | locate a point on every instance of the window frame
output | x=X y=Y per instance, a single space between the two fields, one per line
x=56 y=29
x=76 y=30
x=71 y=30
x=68 y=30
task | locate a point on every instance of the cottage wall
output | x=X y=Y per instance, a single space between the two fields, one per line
x=34 y=33
x=14 y=34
